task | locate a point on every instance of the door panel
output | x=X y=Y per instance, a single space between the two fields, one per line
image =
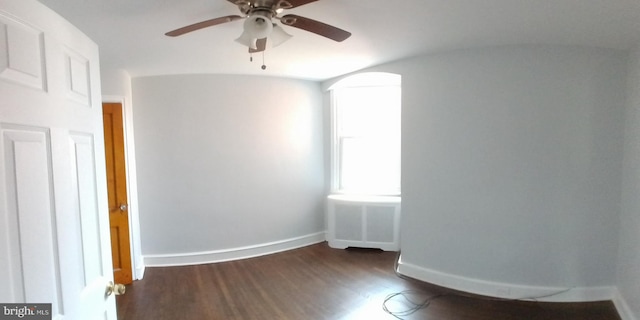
x=84 y=186
x=117 y=190
x=95 y=257
x=21 y=53
x=53 y=198
x=34 y=271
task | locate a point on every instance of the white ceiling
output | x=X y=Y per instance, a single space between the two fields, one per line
x=130 y=33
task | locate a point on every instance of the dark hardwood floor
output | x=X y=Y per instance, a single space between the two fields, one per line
x=318 y=282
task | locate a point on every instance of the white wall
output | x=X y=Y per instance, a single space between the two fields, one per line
x=115 y=82
x=628 y=281
x=227 y=162
x=511 y=161
x=511 y=175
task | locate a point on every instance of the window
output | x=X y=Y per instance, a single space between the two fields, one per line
x=366 y=134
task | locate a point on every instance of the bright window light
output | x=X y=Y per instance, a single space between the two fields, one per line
x=366 y=135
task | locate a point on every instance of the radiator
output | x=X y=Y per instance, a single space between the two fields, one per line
x=364 y=222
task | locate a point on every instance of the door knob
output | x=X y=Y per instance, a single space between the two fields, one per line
x=117 y=289
x=123 y=207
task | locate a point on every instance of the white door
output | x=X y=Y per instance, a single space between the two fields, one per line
x=54 y=236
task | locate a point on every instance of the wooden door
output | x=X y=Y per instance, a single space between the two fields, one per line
x=54 y=222
x=117 y=190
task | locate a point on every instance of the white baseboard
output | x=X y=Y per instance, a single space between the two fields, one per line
x=506 y=290
x=193 y=258
x=623 y=308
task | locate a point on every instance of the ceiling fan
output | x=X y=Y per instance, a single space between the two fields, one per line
x=259 y=26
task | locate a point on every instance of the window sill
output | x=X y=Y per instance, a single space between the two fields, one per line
x=365 y=198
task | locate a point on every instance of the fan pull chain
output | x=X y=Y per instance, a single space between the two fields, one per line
x=264 y=66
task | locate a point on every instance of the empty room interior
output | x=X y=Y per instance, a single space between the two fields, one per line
x=489 y=149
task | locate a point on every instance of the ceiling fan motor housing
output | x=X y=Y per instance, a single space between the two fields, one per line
x=273 y=6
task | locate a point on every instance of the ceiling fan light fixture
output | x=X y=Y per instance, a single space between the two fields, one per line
x=278 y=36
x=247 y=40
x=258 y=25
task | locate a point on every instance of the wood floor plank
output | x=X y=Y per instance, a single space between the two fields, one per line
x=317 y=282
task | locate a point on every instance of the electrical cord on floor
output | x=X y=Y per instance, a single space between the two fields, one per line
x=415 y=306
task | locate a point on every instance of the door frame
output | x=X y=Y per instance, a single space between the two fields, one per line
x=137 y=261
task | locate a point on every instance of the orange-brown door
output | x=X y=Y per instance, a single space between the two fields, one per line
x=117 y=186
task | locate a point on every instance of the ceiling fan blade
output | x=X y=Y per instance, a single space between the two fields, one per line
x=261 y=45
x=288 y=4
x=203 y=24
x=240 y=2
x=316 y=27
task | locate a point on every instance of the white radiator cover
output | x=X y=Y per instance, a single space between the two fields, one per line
x=364 y=222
